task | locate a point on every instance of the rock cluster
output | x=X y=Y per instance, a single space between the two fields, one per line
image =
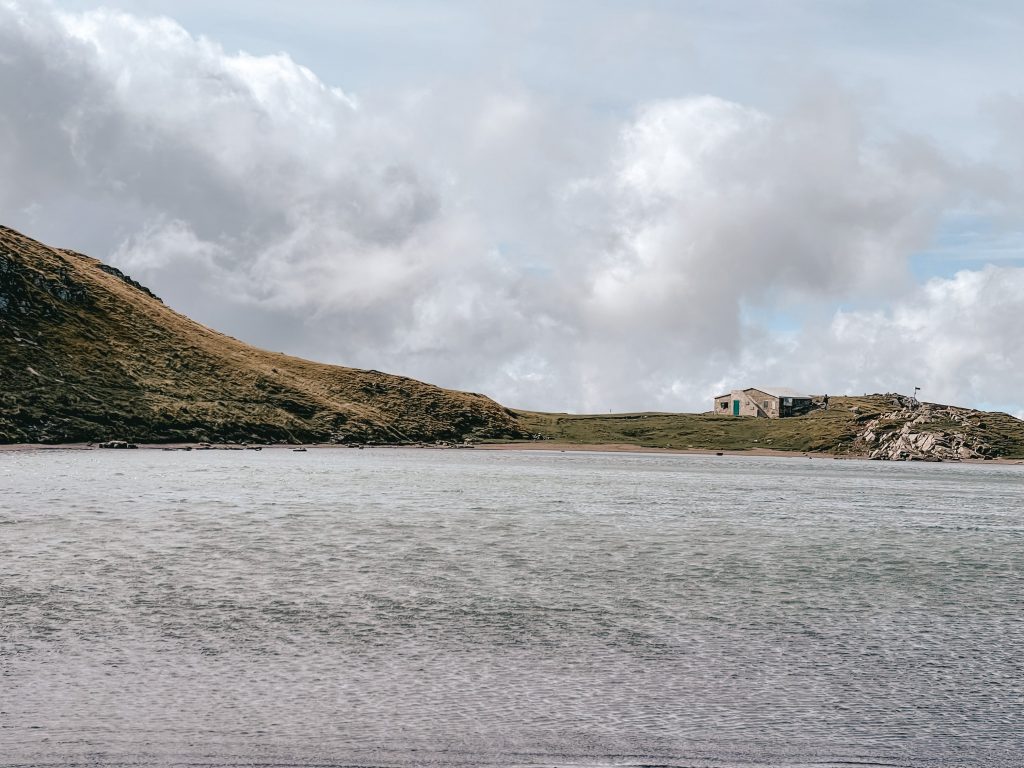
x=17 y=281
x=125 y=279
x=925 y=432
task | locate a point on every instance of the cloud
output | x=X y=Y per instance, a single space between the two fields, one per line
x=292 y=196
x=958 y=338
x=161 y=244
x=710 y=207
x=482 y=235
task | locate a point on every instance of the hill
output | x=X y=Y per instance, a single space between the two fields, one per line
x=889 y=427
x=87 y=353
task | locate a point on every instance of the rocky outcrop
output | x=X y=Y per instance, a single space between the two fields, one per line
x=18 y=281
x=915 y=431
x=125 y=279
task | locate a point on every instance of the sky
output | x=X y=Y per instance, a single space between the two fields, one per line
x=583 y=205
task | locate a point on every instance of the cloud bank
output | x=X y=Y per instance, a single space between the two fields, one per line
x=481 y=236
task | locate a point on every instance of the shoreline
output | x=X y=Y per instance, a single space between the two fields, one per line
x=552 y=446
x=562 y=447
x=547 y=446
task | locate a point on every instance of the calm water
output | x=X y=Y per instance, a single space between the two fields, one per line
x=399 y=607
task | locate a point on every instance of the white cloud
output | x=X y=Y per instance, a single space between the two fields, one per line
x=161 y=244
x=958 y=338
x=483 y=235
x=710 y=206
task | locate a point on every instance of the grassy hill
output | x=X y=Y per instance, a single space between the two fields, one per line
x=846 y=428
x=86 y=354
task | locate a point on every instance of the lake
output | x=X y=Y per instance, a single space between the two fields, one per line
x=393 y=607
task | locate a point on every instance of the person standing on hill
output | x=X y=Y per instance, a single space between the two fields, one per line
x=825 y=399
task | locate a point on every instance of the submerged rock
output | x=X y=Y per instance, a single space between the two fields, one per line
x=117 y=444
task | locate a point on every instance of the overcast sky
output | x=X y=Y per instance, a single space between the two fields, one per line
x=574 y=205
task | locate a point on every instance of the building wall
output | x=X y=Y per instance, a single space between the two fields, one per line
x=749 y=402
x=769 y=404
x=754 y=402
x=747 y=407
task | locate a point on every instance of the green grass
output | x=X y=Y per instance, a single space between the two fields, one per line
x=832 y=431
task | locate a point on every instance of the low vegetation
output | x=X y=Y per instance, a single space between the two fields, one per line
x=88 y=354
x=840 y=430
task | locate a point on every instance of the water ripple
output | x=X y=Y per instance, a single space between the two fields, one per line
x=398 y=607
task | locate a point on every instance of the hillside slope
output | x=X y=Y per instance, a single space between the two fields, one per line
x=87 y=354
x=888 y=427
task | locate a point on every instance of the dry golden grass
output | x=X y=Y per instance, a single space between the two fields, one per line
x=86 y=355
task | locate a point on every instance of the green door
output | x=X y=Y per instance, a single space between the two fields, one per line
x=735 y=407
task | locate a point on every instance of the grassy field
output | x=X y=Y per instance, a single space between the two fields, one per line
x=832 y=431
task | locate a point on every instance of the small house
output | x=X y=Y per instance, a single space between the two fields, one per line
x=763 y=402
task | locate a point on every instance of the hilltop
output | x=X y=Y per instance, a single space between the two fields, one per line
x=882 y=426
x=88 y=354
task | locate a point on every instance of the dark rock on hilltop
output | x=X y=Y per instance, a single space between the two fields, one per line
x=89 y=354
x=122 y=276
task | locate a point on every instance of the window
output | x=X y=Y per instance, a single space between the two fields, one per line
x=725 y=405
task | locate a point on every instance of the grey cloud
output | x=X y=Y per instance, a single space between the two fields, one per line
x=250 y=155
x=711 y=206
x=480 y=234
x=958 y=338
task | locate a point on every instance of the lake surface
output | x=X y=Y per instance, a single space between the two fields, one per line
x=416 y=607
